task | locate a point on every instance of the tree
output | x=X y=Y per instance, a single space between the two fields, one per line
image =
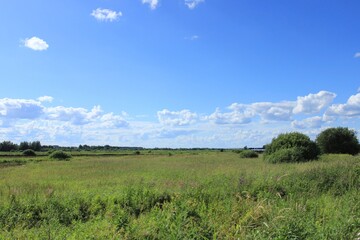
x=249 y=154
x=291 y=147
x=338 y=140
x=60 y=155
x=29 y=153
x=24 y=145
x=7 y=146
x=36 y=146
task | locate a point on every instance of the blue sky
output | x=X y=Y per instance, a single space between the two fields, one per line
x=177 y=73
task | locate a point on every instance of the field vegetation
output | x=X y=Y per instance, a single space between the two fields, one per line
x=185 y=194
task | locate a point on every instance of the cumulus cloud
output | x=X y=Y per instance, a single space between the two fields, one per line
x=191 y=4
x=237 y=125
x=20 y=108
x=77 y=116
x=45 y=99
x=36 y=44
x=350 y=109
x=22 y=119
x=312 y=122
x=314 y=103
x=110 y=120
x=273 y=111
x=240 y=114
x=269 y=111
x=244 y=113
x=180 y=118
x=103 y=14
x=152 y=3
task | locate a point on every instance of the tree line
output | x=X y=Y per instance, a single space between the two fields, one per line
x=297 y=147
x=8 y=146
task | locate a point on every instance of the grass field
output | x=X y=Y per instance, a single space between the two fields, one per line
x=179 y=195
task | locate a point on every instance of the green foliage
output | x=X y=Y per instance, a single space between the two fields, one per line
x=205 y=196
x=7 y=146
x=249 y=154
x=29 y=153
x=338 y=140
x=291 y=147
x=60 y=155
x=36 y=146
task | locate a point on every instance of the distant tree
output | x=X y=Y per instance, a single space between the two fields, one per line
x=60 y=155
x=7 y=146
x=291 y=147
x=36 y=146
x=338 y=140
x=248 y=154
x=29 y=153
x=24 y=145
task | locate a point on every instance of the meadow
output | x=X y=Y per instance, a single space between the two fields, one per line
x=178 y=195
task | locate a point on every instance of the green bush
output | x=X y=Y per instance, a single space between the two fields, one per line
x=60 y=155
x=291 y=147
x=338 y=140
x=249 y=154
x=29 y=153
x=287 y=155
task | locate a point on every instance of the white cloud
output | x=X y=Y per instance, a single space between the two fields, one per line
x=269 y=111
x=244 y=113
x=103 y=14
x=20 y=108
x=314 y=103
x=236 y=126
x=152 y=3
x=110 y=120
x=191 y=4
x=181 y=118
x=312 y=122
x=273 y=111
x=357 y=55
x=240 y=114
x=36 y=44
x=77 y=116
x=45 y=99
x=350 y=109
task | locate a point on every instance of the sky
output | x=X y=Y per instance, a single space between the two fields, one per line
x=177 y=73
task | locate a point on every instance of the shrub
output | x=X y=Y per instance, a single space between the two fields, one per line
x=249 y=154
x=338 y=140
x=291 y=147
x=287 y=155
x=29 y=153
x=60 y=155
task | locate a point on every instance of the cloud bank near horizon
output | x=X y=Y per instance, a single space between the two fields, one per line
x=240 y=124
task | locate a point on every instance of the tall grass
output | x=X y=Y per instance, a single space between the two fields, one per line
x=209 y=195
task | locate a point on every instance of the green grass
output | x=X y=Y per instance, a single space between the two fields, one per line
x=182 y=195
